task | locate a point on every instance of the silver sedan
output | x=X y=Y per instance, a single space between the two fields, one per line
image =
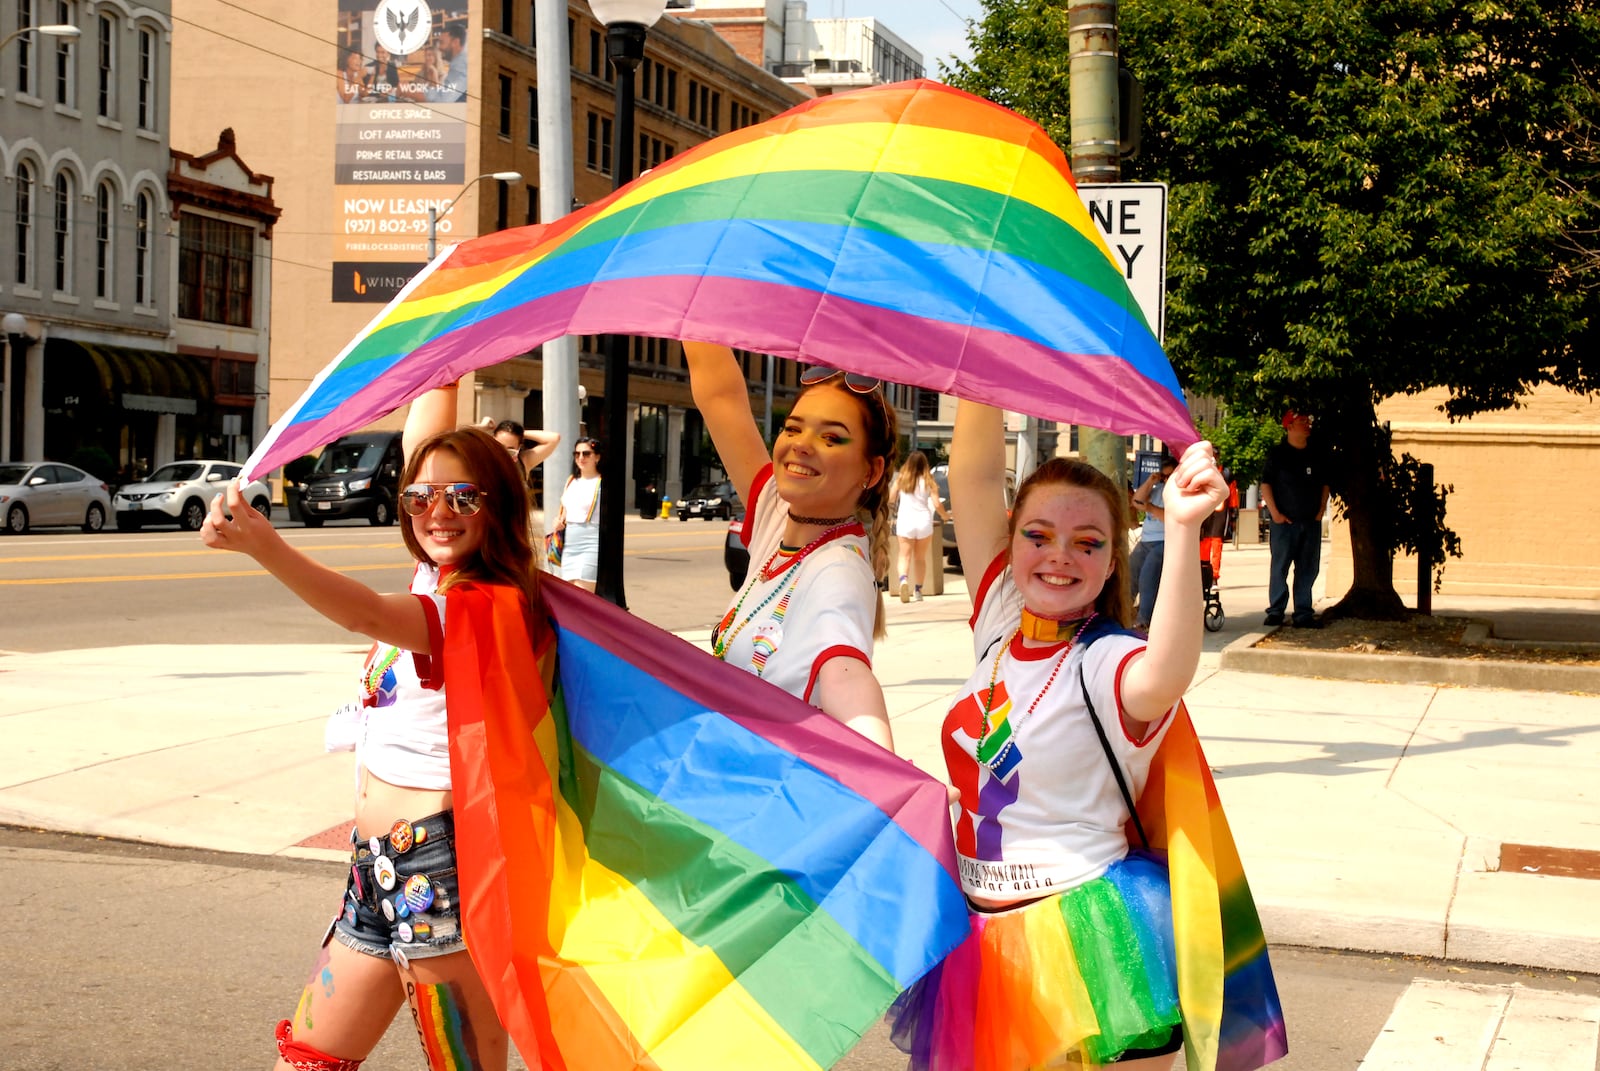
x=37 y=494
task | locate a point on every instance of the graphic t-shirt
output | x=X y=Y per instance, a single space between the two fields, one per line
x=1042 y=812
x=785 y=627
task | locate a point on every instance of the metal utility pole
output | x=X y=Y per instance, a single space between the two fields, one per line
x=1095 y=159
x=560 y=355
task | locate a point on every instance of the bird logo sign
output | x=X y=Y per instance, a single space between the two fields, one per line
x=402 y=26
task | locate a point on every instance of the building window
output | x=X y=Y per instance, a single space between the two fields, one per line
x=502 y=208
x=597 y=56
x=508 y=19
x=672 y=91
x=215 y=273
x=572 y=33
x=105 y=203
x=25 y=191
x=141 y=250
x=66 y=54
x=533 y=117
x=147 y=79
x=694 y=101
x=533 y=205
x=533 y=24
x=63 y=233
x=644 y=79
x=591 y=157
x=24 y=47
x=716 y=112
x=661 y=86
x=505 y=105
x=605 y=146
x=106 y=100
x=927 y=404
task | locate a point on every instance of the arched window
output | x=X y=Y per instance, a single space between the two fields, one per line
x=145 y=217
x=25 y=210
x=63 y=233
x=105 y=203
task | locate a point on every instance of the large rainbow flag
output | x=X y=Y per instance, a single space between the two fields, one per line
x=911 y=232
x=666 y=863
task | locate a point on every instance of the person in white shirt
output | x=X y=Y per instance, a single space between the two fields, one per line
x=816 y=524
x=916 y=498
x=1049 y=743
x=579 y=519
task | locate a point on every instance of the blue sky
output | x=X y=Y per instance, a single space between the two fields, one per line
x=936 y=28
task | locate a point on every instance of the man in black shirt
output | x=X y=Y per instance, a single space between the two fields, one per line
x=1294 y=486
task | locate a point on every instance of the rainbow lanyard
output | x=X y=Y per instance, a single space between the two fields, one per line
x=765 y=646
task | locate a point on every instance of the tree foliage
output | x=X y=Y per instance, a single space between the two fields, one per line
x=1368 y=198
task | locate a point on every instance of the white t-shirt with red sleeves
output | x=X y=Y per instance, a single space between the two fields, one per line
x=404 y=736
x=1045 y=814
x=792 y=616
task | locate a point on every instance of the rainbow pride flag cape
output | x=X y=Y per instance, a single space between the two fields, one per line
x=667 y=863
x=1232 y=1019
x=911 y=232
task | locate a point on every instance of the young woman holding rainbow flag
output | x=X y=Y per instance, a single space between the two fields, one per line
x=1072 y=955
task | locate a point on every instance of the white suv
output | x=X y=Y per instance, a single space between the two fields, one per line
x=180 y=493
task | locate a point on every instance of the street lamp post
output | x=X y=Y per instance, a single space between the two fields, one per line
x=435 y=214
x=626 y=22
x=53 y=30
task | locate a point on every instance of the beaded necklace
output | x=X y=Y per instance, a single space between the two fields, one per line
x=1006 y=738
x=374 y=675
x=722 y=638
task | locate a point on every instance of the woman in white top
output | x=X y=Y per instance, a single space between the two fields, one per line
x=917 y=499
x=579 y=519
x=397 y=937
x=1049 y=743
x=816 y=523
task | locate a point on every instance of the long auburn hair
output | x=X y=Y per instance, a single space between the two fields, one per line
x=1115 y=602
x=883 y=433
x=506 y=554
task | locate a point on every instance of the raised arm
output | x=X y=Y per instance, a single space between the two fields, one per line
x=544 y=445
x=393 y=619
x=430 y=414
x=723 y=398
x=977 y=488
x=1158 y=679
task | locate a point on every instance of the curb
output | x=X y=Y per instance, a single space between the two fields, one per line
x=1243 y=655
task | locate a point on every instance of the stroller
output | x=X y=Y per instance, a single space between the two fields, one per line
x=1212 y=533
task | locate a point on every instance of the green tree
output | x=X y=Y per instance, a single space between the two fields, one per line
x=1368 y=199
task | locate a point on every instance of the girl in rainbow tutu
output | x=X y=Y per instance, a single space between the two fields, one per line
x=1072 y=958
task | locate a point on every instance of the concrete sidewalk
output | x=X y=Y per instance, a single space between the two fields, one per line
x=1370 y=816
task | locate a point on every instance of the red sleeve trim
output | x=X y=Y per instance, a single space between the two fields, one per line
x=432 y=679
x=1151 y=728
x=828 y=655
x=990 y=575
x=753 y=501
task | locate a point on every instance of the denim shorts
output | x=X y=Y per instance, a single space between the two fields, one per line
x=402 y=899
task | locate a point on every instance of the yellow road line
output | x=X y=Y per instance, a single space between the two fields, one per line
x=36 y=581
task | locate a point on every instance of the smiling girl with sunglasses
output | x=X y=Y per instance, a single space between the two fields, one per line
x=397 y=938
x=818 y=534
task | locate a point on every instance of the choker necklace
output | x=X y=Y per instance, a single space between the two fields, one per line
x=1048 y=630
x=822 y=522
x=992 y=750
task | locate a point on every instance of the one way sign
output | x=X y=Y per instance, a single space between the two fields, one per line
x=1132 y=216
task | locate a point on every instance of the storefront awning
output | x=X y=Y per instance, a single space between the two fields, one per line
x=128 y=377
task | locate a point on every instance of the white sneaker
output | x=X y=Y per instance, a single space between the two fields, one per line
x=916 y=596
x=905 y=590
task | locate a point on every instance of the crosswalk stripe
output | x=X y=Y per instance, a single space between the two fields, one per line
x=1459 y=1026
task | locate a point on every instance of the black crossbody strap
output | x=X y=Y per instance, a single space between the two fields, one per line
x=1116 y=767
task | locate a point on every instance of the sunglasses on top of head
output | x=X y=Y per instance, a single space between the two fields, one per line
x=811 y=375
x=463 y=498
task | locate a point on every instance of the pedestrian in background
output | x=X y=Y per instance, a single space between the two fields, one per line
x=529 y=448
x=1144 y=567
x=817 y=525
x=1049 y=743
x=397 y=938
x=1294 y=488
x=915 y=496
x=579 y=519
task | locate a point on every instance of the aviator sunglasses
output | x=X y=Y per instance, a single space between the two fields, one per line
x=821 y=373
x=463 y=498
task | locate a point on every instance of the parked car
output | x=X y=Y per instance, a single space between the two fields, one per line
x=356 y=476
x=180 y=493
x=35 y=494
x=947 y=536
x=710 y=500
x=735 y=555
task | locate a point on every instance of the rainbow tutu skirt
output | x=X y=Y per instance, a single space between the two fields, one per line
x=1087 y=974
